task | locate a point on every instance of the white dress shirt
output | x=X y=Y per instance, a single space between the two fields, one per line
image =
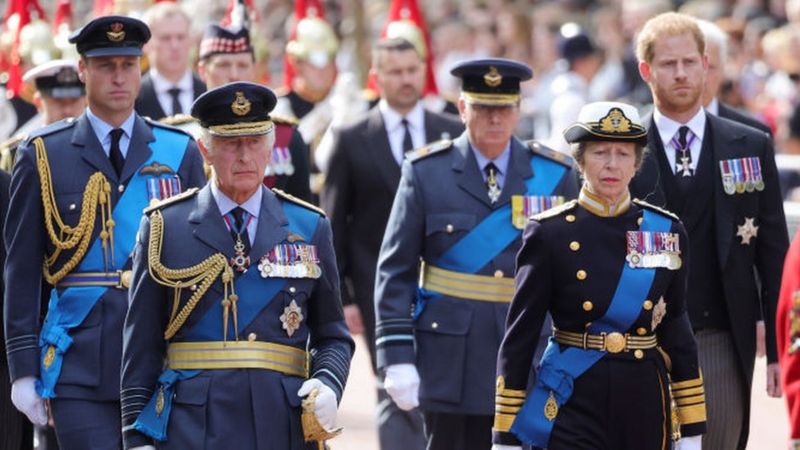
x=668 y=128
x=252 y=205
x=396 y=132
x=162 y=86
x=103 y=132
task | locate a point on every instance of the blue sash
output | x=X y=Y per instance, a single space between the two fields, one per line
x=559 y=369
x=250 y=287
x=68 y=310
x=495 y=232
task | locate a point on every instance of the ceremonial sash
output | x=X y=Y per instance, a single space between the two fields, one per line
x=67 y=310
x=495 y=232
x=559 y=369
x=251 y=289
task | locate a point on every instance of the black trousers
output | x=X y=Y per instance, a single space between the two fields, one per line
x=618 y=404
x=458 y=432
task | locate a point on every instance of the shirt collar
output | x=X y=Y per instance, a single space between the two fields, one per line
x=252 y=205
x=501 y=162
x=602 y=207
x=667 y=128
x=102 y=128
x=392 y=119
x=713 y=107
x=162 y=85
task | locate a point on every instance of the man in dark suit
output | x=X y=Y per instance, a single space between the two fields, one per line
x=720 y=178
x=170 y=86
x=359 y=190
x=77 y=194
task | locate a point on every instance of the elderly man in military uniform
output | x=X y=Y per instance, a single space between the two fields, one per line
x=460 y=208
x=59 y=94
x=77 y=195
x=241 y=301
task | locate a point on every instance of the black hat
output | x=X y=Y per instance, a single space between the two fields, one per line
x=217 y=39
x=607 y=121
x=493 y=81
x=57 y=79
x=235 y=109
x=576 y=46
x=111 y=36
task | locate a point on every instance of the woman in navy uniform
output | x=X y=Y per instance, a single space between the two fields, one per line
x=612 y=272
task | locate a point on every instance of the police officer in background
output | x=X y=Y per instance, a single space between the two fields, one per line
x=460 y=207
x=77 y=194
x=232 y=299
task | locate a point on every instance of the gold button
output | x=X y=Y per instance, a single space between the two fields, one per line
x=581 y=275
x=574 y=246
x=292 y=289
x=121 y=187
x=638 y=354
x=72 y=206
x=587 y=305
x=640 y=220
x=498 y=274
x=570 y=218
x=435 y=325
x=449 y=228
x=193 y=287
x=251 y=337
x=648 y=305
x=641 y=331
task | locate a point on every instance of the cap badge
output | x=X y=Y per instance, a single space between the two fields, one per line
x=66 y=76
x=615 y=122
x=493 y=78
x=116 y=34
x=240 y=105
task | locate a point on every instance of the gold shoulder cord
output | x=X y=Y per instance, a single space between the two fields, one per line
x=201 y=275
x=97 y=191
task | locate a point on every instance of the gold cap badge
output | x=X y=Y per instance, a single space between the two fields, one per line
x=615 y=122
x=493 y=77
x=116 y=34
x=240 y=105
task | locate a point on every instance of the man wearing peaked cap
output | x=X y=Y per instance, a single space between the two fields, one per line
x=254 y=276
x=77 y=194
x=459 y=208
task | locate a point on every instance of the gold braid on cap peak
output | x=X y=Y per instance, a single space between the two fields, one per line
x=201 y=275
x=65 y=237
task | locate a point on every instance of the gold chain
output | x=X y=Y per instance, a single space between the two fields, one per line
x=201 y=275
x=97 y=191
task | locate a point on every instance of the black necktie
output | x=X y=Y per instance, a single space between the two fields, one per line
x=492 y=186
x=115 y=154
x=408 y=144
x=239 y=229
x=176 y=103
x=683 y=155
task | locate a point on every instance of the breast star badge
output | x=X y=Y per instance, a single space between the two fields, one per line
x=748 y=230
x=291 y=318
x=659 y=311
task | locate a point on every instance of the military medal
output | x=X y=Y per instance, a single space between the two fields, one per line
x=684 y=165
x=742 y=175
x=162 y=182
x=647 y=249
x=659 y=311
x=525 y=206
x=240 y=261
x=748 y=230
x=551 y=407
x=291 y=318
x=494 y=188
x=298 y=260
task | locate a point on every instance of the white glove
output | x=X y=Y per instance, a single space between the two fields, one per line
x=27 y=400
x=325 y=404
x=690 y=443
x=506 y=447
x=402 y=384
x=143 y=447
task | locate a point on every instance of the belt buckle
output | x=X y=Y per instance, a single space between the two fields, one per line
x=123 y=279
x=614 y=342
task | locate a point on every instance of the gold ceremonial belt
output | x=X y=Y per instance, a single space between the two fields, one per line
x=121 y=279
x=237 y=355
x=611 y=342
x=467 y=286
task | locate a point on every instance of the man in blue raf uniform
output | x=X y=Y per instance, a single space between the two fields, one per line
x=236 y=289
x=460 y=207
x=77 y=194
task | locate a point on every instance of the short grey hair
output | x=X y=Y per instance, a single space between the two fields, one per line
x=205 y=138
x=715 y=35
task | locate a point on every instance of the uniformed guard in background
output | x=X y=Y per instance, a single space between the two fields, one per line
x=612 y=272
x=241 y=300
x=77 y=194
x=460 y=207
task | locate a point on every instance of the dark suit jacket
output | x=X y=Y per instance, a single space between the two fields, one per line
x=733 y=114
x=765 y=253
x=147 y=104
x=358 y=195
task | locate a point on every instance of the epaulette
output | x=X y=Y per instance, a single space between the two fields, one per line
x=52 y=128
x=177 y=119
x=296 y=200
x=547 y=152
x=655 y=208
x=552 y=212
x=172 y=200
x=165 y=126
x=430 y=149
x=285 y=120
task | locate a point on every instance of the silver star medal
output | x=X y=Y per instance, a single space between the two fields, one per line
x=494 y=189
x=748 y=230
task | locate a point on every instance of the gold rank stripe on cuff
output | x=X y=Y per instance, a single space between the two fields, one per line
x=237 y=355
x=689 y=396
x=503 y=422
x=467 y=286
x=507 y=409
x=692 y=414
x=695 y=382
